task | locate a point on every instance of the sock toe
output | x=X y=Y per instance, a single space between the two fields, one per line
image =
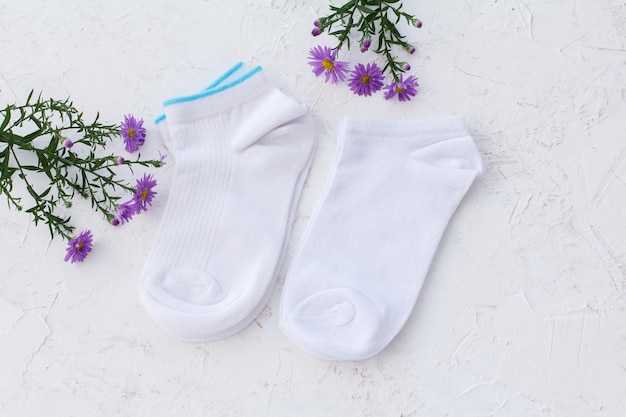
x=192 y=287
x=188 y=303
x=338 y=324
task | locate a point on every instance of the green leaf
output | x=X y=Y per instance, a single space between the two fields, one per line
x=52 y=145
x=7 y=118
x=349 y=5
x=32 y=192
x=30 y=95
x=366 y=10
x=45 y=193
x=7 y=172
x=30 y=168
x=32 y=136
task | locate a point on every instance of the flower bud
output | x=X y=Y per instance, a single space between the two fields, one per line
x=316 y=31
x=418 y=23
x=406 y=67
x=68 y=143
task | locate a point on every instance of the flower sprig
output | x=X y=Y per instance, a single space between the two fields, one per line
x=47 y=145
x=374 y=22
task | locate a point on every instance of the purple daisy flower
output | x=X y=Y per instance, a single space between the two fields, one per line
x=366 y=80
x=323 y=59
x=125 y=212
x=79 y=247
x=405 y=89
x=133 y=132
x=144 y=193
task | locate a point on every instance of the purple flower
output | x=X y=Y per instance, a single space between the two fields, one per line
x=322 y=59
x=133 y=132
x=366 y=80
x=162 y=158
x=125 y=212
x=365 y=45
x=144 y=193
x=405 y=89
x=79 y=247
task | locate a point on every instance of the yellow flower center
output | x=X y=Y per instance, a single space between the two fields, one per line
x=79 y=245
x=399 y=89
x=365 y=79
x=131 y=133
x=328 y=64
x=144 y=195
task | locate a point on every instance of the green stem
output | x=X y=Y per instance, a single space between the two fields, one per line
x=11 y=200
x=45 y=211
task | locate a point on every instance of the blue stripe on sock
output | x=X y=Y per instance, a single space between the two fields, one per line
x=214 y=84
x=224 y=76
x=159 y=119
x=211 y=92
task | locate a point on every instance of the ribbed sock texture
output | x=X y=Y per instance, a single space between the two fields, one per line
x=360 y=266
x=242 y=150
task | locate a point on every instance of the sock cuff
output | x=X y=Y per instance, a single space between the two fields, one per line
x=225 y=76
x=426 y=131
x=231 y=94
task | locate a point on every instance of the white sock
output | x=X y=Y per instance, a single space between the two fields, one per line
x=242 y=150
x=358 y=271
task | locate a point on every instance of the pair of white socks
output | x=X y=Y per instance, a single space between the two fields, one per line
x=242 y=151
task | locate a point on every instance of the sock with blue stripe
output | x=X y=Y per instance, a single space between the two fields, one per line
x=241 y=150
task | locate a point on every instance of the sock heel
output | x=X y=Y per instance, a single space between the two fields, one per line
x=456 y=153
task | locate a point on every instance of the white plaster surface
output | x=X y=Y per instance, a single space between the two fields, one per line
x=523 y=312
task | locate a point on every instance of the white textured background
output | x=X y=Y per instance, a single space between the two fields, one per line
x=524 y=310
